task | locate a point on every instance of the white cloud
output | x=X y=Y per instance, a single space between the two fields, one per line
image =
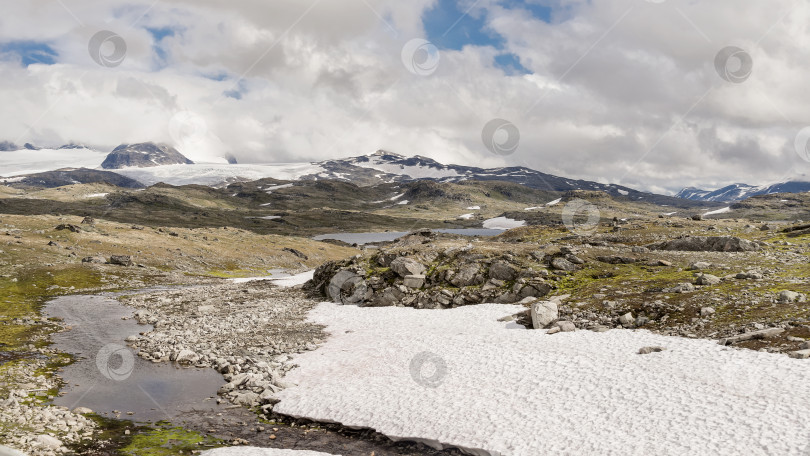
x=621 y=91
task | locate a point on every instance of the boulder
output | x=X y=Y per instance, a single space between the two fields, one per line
x=563 y=265
x=186 y=357
x=535 y=290
x=707 y=244
x=69 y=227
x=761 y=334
x=501 y=270
x=121 y=260
x=648 y=350
x=787 y=296
x=706 y=311
x=544 y=313
x=616 y=259
x=801 y=354
x=82 y=410
x=414 y=281
x=697 y=265
x=680 y=288
x=404 y=266
x=94 y=260
x=51 y=443
x=627 y=319
x=707 y=279
x=466 y=276
x=566 y=326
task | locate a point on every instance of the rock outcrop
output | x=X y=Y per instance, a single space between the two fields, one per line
x=414 y=272
x=144 y=155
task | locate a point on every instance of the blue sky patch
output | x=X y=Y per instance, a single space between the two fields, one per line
x=510 y=64
x=30 y=52
x=448 y=27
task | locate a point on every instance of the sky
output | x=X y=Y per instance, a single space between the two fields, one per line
x=652 y=94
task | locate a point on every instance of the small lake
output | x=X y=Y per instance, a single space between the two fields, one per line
x=108 y=375
x=370 y=238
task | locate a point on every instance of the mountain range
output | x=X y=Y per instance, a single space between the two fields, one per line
x=149 y=163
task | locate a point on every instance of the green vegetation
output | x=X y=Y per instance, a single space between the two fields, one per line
x=166 y=440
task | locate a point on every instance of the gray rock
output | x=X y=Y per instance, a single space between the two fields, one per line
x=707 y=279
x=627 y=319
x=553 y=330
x=563 y=265
x=248 y=399
x=707 y=244
x=82 y=410
x=706 y=311
x=94 y=260
x=699 y=265
x=535 y=290
x=501 y=270
x=49 y=442
x=405 y=266
x=801 y=354
x=414 y=281
x=648 y=350
x=805 y=345
x=121 y=260
x=186 y=357
x=466 y=276
x=566 y=326
x=544 y=313
x=680 y=288
x=761 y=334
x=791 y=296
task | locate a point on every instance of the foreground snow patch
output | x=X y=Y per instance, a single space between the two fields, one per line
x=461 y=378
x=253 y=451
x=503 y=223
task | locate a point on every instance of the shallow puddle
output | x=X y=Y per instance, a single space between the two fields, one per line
x=108 y=376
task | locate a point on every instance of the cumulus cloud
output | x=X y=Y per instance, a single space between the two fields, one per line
x=622 y=91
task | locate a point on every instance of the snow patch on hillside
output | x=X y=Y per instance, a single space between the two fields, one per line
x=503 y=223
x=212 y=174
x=724 y=210
x=14 y=163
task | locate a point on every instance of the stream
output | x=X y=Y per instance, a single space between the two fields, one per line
x=109 y=378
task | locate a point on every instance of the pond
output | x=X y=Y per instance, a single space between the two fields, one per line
x=108 y=375
x=369 y=238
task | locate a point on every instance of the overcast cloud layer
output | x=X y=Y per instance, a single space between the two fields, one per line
x=622 y=91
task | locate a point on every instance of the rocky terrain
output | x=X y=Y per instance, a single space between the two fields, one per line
x=738 y=277
x=746 y=287
x=244 y=331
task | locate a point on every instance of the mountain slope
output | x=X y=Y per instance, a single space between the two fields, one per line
x=389 y=167
x=739 y=192
x=144 y=155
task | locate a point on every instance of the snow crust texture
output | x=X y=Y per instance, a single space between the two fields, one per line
x=461 y=378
